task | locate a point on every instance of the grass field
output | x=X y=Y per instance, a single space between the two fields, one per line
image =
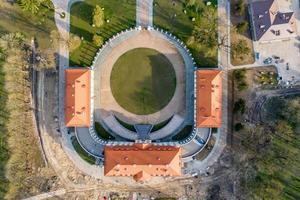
x=102 y=133
x=144 y=85
x=186 y=131
x=81 y=152
x=13 y=19
x=170 y=16
x=120 y=13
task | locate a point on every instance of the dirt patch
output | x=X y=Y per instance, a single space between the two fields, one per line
x=235 y=36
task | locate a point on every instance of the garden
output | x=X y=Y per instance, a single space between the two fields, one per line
x=193 y=22
x=94 y=22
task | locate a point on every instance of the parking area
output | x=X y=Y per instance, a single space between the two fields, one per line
x=285 y=54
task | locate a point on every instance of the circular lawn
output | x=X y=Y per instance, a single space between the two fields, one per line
x=143 y=81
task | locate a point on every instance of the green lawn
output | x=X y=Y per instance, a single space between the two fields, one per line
x=120 y=13
x=81 y=152
x=13 y=19
x=178 y=19
x=102 y=133
x=275 y=153
x=160 y=125
x=126 y=125
x=186 y=131
x=143 y=81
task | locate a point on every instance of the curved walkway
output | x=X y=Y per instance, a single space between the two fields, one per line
x=197 y=144
x=104 y=102
x=170 y=128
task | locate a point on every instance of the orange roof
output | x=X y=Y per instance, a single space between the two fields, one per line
x=77 y=97
x=142 y=161
x=209 y=98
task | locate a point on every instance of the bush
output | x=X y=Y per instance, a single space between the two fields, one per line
x=98 y=16
x=97 y=40
x=242 y=27
x=242 y=86
x=238 y=126
x=240 y=76
x=74 y=42
x=239 y=106
x=240 y=8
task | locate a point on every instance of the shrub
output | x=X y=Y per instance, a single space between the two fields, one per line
x=242 y=86
x=97 y=40
x=240 y=76
x=242 y=27
x=74 y=42
x=239 y=106
x=98 y=16
x=240 y=8
x=238 y=126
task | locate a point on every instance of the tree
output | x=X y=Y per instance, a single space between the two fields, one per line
x=242 y=27
x=240 y=78
x=238 y=127
x=32 y=6
x=98 y=16
x=240 y=8
x=239 y=106
x=97 y=40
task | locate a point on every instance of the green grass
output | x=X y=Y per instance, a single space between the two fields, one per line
x=81 y=152
x=4 y=151
x=126 y=125
x=143 y=81
x=120 y=13
x=13 y=19
x=276 y=153
x=182 y=26
x=102 y=133
x=186 y=131
x=160 y=125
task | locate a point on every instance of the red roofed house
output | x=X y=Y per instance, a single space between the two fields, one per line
x=142 y=161
x=209 y=98
x=77 y=97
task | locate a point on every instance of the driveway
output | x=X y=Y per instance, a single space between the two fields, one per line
x=288 y=50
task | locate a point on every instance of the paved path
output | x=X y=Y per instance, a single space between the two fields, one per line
x=224 y=63
x=144 y=13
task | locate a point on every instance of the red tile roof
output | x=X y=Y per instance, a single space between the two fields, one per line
x=77 y=97
x=142 y=161
x=209 y=98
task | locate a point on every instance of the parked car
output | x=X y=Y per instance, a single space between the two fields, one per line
x=268 y=61
x=257 y=55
